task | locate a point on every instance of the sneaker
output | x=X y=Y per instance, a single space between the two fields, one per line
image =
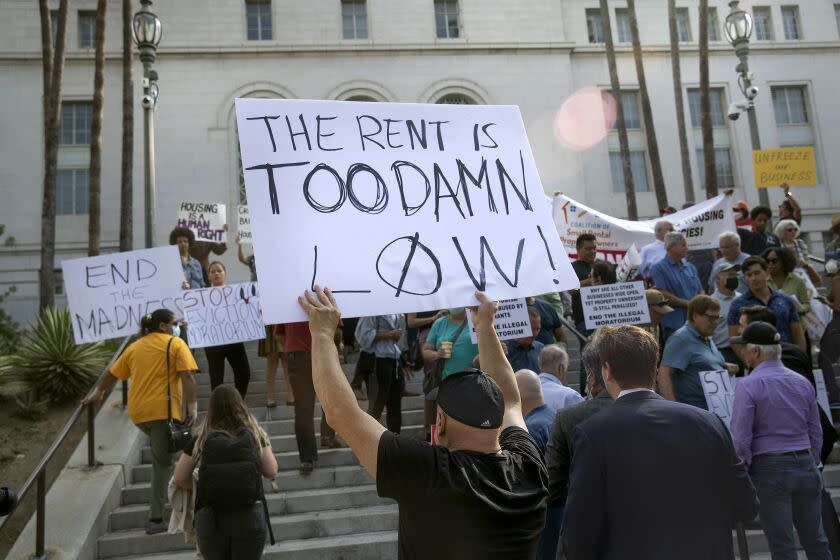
x=306 y=468
x=153 y=527
x=328 y=442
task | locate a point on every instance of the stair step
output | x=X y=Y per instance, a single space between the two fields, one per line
x=295 y=526
x=381 y=545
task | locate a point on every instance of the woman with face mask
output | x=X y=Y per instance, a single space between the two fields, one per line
x=449 y=347
x=234 y=353
x=157 y=360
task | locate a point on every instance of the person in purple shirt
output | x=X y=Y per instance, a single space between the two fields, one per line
x=776 y=430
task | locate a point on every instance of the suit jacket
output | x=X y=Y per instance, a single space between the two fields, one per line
x=654 y=479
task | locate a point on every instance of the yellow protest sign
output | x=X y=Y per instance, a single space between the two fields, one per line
x=794 y=166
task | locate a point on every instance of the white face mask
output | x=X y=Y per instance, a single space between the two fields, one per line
x=176 y=329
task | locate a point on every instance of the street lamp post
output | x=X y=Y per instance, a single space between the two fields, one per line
x=739 y=27
x=147 y=30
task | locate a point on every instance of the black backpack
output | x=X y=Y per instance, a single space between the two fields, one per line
x=229 y=477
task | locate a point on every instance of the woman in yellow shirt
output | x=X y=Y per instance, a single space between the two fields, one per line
x=145 y=362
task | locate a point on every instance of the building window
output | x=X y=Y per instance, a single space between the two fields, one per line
x=713 y=25
x=75 y=123
x=683 y=25
x=354 y=19
x=53 y=25
x=630 y=104
x=638 y=168
x=837 y=16
x=789 y=105
x=763 y=22
x=87 y=30
x=446 y=19
x=720 y=133
x=456 y=99
x=790 y=22
x=71 y=191
x=594 y=25
x=365 y=98
x=622 y=24
x=258 y=16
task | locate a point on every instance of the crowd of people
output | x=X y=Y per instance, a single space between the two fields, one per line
x=515 y=463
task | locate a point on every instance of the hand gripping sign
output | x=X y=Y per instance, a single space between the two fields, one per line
x=395 y=207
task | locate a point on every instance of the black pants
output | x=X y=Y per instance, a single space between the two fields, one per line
x=300 y=376
x=385 y=389
x=238 y=360
x=236 y=535
x=364 y=367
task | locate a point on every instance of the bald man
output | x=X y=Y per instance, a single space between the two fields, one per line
x=538 y=415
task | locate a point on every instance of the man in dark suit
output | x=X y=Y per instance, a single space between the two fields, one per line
x=651 y=478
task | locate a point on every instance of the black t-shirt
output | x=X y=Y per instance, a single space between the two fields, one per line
x=583 y=269
x=465 y=505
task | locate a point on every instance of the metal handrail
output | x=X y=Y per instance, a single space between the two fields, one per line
x=572 y=328
x=39 y=474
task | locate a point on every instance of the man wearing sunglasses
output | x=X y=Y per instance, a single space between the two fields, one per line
x=691 y=350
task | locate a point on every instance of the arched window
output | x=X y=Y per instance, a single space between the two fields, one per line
x=361 y=98
x=456 y=99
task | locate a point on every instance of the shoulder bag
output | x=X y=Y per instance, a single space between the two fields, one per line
x=179 y=433
x=431 y=381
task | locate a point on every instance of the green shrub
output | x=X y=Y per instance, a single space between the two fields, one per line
x=9 y=369
x=53 y=365
x=29 y=406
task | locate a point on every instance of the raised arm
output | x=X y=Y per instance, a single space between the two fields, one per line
x=358 y=429
x=493 y=361
x=242 y=258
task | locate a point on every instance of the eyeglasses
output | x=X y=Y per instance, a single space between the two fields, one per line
x=712 y=317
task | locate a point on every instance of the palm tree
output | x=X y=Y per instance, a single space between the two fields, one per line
x=95 y=185
x=647 y=113
x=126 y=183
x=53 y=75
x=623 y=143
x=705 y=104
x=685 y=156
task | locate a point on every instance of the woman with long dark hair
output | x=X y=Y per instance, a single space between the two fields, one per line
x=234 y=353
x=158 y=363
x=231 y=453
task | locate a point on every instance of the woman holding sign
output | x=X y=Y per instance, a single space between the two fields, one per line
x=234 y=353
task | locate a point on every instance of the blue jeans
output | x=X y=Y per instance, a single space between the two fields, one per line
x=789 y=491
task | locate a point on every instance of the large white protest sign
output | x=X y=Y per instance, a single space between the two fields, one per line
x=109 y=294
x=701 y=224
x=395 y=207
x=615 y=304
x=206 y=220
x=511 y=321
x=223 y=315
x=719 y=391
x=243 y=231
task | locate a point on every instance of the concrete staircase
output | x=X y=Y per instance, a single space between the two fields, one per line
x=334 y=513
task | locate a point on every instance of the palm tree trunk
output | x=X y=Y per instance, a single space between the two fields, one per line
x=95 y=185
x=647 y=113
x=127 y=171
x=685 y=156
x=705 y=104
x=623 y=143
x=52 y=120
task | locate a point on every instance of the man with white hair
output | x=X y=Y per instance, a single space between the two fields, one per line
x=729 y=245
x=776 y=431
x=538 y=416
x=678 y=281
x=554 y=365
x=654 y=251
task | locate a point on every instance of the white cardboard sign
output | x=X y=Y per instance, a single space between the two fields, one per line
x=223 y=315
x=206 y=220
x=511 y=321
x=615 y=304
x=720 y=392
x=701 y=224
x=395 y=207
x=243 y=228
x=109 y=294
x=822 y=392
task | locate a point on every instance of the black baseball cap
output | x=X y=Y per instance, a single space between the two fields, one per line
x=759 y=332
x=472 y=398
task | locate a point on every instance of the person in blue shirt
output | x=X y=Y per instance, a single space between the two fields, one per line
x=193 y=275
x=524 y=353
x=678 y=281
x=539 y=417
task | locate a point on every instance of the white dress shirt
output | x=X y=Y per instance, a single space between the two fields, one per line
x=651 y=254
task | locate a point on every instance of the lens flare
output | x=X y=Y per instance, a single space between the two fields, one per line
x=585 y=118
